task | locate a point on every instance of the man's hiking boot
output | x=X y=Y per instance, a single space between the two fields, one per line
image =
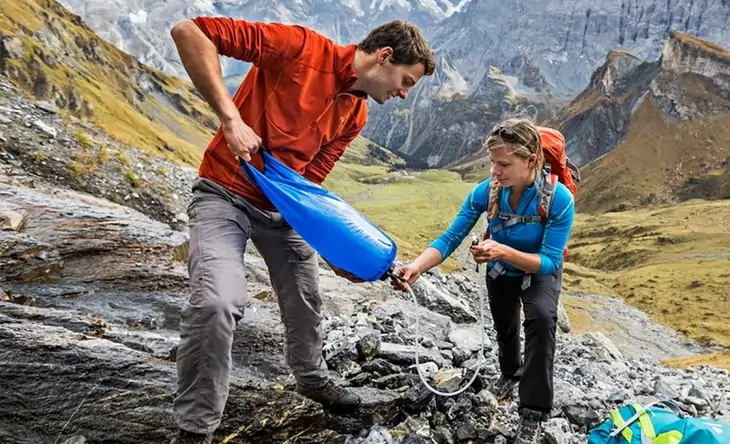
x=529 y=431
x=330 y=395
x=185 y=437
x=504 y=387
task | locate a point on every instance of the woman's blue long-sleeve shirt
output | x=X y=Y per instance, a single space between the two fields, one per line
x=548 y=241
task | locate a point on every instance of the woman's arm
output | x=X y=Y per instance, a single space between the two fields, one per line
x=444 y=245
x=474 y=205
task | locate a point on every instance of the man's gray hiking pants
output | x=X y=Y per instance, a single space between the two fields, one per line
x=221 y=223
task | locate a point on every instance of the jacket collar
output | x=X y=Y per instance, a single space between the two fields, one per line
x=345 y=74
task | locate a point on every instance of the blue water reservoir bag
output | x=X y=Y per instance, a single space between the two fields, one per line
x=338 y=232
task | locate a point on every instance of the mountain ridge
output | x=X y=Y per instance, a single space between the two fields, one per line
x=666 y=138
x=545 y=53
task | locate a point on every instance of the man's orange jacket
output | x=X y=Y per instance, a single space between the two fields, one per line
x=294 y=97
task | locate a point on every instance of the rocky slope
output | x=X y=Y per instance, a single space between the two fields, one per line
x=91 y=291
x=53 y=55
x=660 y=125
x=599 y=117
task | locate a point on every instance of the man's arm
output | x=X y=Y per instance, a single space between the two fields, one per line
x=199 y=42
x=199 y=56
x=324 y=161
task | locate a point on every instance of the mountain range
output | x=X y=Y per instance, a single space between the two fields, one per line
x=494 y=58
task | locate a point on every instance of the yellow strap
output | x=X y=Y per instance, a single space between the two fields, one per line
x=670 y=437
x=619 y=422
x=647 y=427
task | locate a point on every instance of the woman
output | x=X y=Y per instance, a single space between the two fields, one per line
x=524 y=259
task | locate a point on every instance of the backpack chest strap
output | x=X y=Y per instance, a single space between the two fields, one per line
x=505 y=220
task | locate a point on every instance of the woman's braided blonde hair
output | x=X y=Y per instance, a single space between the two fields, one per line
x=518 y=136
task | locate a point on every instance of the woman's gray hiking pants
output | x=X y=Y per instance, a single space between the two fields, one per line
x=221 y=223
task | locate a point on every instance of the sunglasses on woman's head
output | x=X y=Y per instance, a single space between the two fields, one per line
x=508 y=135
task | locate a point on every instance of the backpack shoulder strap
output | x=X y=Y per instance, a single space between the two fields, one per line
x=547 y=192
x=490 y=204
x=574 y=170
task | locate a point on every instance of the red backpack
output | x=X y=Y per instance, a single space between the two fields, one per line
x=557 y=162
x=558 y=168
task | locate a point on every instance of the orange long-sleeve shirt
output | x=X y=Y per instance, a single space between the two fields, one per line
x=294 y=97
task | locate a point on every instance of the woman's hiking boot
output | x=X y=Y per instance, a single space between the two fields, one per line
x=504 y=387
x=529 y=431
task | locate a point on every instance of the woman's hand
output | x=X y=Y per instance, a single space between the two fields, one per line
x=409 y=273
x=488 y=250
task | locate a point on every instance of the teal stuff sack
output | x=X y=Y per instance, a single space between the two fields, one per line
x=658 y=423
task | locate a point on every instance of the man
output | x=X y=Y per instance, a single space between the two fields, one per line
x=304 y=100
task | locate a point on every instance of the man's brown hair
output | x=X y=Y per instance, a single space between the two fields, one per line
x=409 y=46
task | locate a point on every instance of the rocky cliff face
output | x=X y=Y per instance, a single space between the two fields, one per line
x=445 y=121
x=695 y=78
x=563 y=43
x=600 y=116
x=682 y=99
x=689 y=80
x=90 y=295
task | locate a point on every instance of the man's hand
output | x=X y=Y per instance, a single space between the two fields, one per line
x=242 y=140
x=487 y=250
x=409 y=273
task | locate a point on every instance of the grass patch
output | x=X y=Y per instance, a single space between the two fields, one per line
x=721 y=360
x=414 y=213
x=671 y=262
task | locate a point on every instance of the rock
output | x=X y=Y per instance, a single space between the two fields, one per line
x=604 y=348
x=486 y=398
x=563 y=319
x=25 y=258
x=380 y=367
x=47 y=107
x=557 y=431
x=47 y=129
x=442 y=435
x=469 y=338
x=582 y=415
x=442 y=302
x=13 y=220
x=376 y=435
x=427 y=369
x=368 y=346
x=413 y=426
x=406 y=354
x=97 y=372
x=449 y=380
x=664 y=390
x=465 y=430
